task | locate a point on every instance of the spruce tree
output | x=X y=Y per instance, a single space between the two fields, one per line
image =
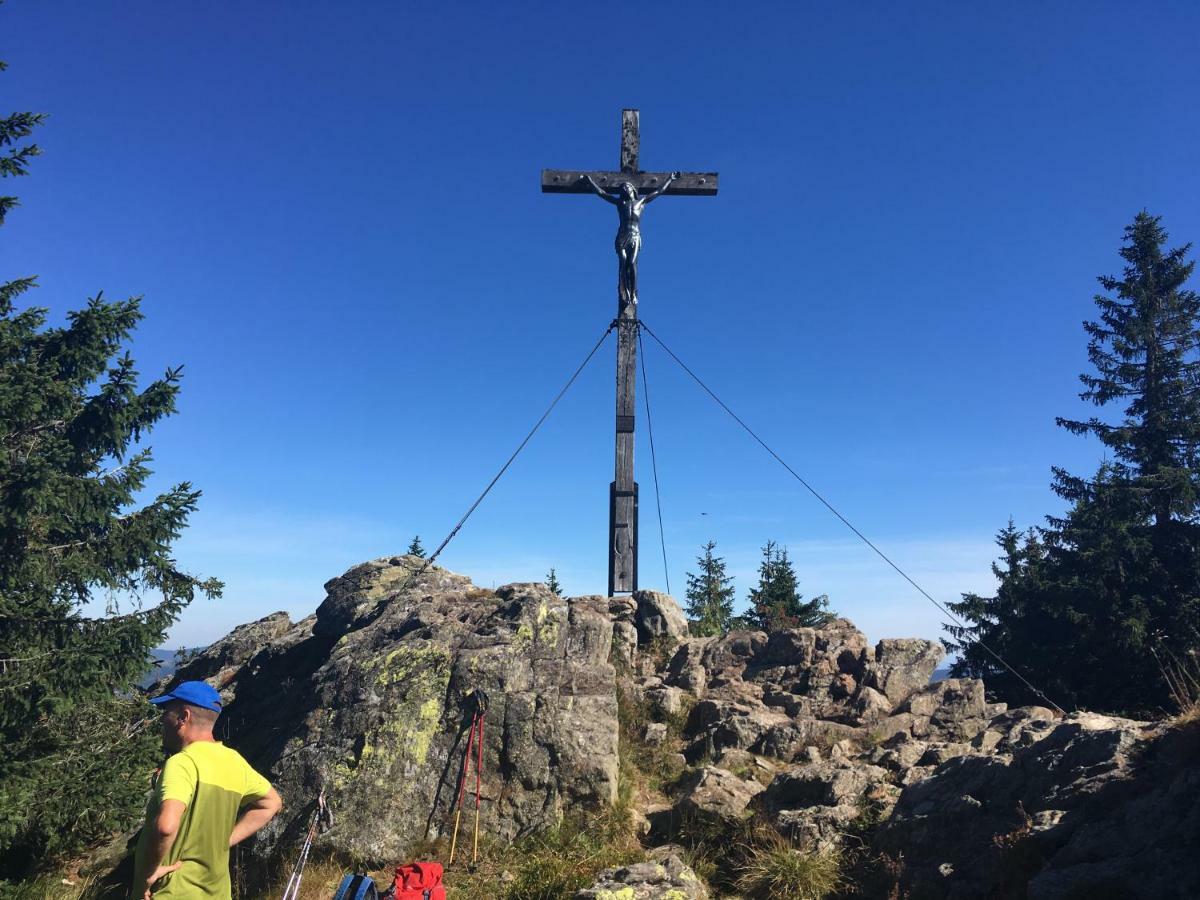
x=1144 y=351
x=1009 y=619
x=1088 y=607
x=710 y=595
x=76 y=742
x=777 y=603
x=415 y=548
x=552 y=582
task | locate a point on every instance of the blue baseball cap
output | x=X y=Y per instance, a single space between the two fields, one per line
x=197 y=693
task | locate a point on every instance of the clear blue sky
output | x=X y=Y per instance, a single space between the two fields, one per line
x=332 y=211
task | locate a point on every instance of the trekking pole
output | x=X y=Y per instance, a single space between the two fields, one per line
x=320 y=816
x=293 y=886
x=478 y=769
x=462 y=789
x=475 y=737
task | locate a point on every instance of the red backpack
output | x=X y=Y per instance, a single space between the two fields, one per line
x=419 y=881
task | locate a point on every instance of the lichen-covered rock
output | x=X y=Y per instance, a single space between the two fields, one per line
x=654 y=733
x=716 y=793
x=903 y=666
x=813 y=804
x=730 y=726
x=624 y=644
x=1096 y=806
x=773 y=693
x=221 y=662
x=950 y=710
x=658 y=616
x=871 y=706
x=666 y=879
x=900 y=752
x=826 y=783
x=664 y=700
x=372 y=701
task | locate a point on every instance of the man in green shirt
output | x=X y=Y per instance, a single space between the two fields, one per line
x=205 y=800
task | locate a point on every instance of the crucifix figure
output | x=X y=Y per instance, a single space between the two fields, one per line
x=629 y=231
x=629 y=190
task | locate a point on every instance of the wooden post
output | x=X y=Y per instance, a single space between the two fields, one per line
x=623 y=517
x=623 y=492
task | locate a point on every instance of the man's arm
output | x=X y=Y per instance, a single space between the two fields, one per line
x=163 y=830
x=600 y=192
x=256 y=814
x=660 y=191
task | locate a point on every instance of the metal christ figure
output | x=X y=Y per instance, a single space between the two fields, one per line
x=629 y=234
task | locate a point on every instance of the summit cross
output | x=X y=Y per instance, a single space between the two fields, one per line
x=629 y=190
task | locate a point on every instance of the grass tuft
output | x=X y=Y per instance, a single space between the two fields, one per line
x=775 y=870
x=1183 y=681
x=646 y=767
x=550 y=865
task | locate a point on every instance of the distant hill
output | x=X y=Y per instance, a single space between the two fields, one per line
x=165 y=665
x=939 y=675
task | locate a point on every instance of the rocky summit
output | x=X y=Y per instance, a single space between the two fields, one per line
x=368 y=701
x=834 y=744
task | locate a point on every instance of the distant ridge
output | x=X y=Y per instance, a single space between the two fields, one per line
x=164 y=664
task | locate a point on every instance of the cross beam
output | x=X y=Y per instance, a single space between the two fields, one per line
x=568 y=181
x=623 y=492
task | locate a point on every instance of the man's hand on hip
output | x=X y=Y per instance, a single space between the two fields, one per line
x=160 y=872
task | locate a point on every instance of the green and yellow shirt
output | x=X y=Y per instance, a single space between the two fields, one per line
x=215 y=782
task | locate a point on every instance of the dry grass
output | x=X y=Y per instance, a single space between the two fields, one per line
x=320 y=879
x=1183 y=681
x=547 y=866
x=775 y=870
x=48 y=887
x=646 y=768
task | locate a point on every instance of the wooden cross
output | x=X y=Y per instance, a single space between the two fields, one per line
x=623 y=492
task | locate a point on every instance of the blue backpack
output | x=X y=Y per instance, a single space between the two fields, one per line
x=356 y=887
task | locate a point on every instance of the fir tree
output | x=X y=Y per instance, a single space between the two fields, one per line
x=75 y=747
x=1007 y=619
x=552 y=582
x=776 y=603
x=710 y=595
x=1144 y=351
x=415 y=548
x=1084 y=606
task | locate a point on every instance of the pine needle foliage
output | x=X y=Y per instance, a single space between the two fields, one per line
x=75 y=534
x=1086 y=601
x=776 y=602
x=14 y=155
x=710 y=595
x=415 y=548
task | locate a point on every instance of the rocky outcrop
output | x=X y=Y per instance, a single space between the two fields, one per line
x=715 y=793
x=664 y=878
x=1086 y=806
x=658 y=616
x=370 y=699
x=903 y=666
x=221 y=662
x=814 y=803
x=778 y=695
x=809 y=731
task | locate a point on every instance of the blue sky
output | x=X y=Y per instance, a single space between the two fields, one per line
x=332 y=211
